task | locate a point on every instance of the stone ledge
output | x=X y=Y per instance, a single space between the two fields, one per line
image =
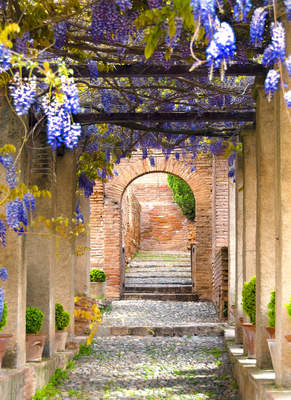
x=20 y=384
x=254 y=383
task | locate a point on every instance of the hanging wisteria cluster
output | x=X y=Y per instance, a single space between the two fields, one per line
x=3 y=278
x=16 y=210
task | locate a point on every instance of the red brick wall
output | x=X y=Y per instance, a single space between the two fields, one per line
x=131 y=218
x=163 y=226
x=209 y=188
x=220 y=281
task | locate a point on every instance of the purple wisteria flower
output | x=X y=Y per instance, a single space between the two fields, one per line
x=21 y=44
x=288 y=8
x=3 y=274
x=205 y=10
x=60 y=31
x=23 y=94
x=86 y=184
x=287 y=98
x=1 y=302
x=29 y=201
x=222 y=47
x=8 y=164
x=93 y=70
x=241 y=10
x=5 y=56
x=275 y=52
x=271 y=83
x=3 y=231
x=79 y=215
x=154 y=3
x=16 y=215
x=257 y=26
x=288 y=65
x=71 y=100
x=124 y=4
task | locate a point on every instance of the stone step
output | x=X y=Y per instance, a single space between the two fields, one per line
x=160 y=296
x=159 y=289
x=198 y=329
x=157 y=264
x=154 y=277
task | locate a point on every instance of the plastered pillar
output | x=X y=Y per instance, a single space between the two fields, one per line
x=239 y=246
x=40 y=252
x=82 y=261
x=283 y=230
x=231 y=248
x=11 y=256
x=65 y=260
x=265 y=243
x=249 y=203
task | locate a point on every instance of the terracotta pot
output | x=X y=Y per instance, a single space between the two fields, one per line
x=34 y=347
x=288 y=338
x=270 y=332
x=4 y=340
x=61 y=339
x=250 y=339
x=274 y=352
x=97 y=289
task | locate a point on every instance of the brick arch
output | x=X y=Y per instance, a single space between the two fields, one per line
x=200 y=182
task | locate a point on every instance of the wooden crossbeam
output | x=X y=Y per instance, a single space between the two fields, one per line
x=98 y=118
x=140 y=70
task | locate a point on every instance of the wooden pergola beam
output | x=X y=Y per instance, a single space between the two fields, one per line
x=140 y=70
x=99 y=118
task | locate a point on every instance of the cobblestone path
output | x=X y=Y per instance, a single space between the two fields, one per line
x=150 y=368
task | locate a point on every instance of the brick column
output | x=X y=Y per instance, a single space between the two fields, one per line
x=40 y=248
x=112 y=248
x=249 y=203
x=265 y=243
x=65 y=261
x=12 y=255
x=82 y=262
x=283 y=235
x=239 y=246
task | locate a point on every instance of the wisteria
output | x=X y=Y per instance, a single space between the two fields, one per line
x=23 y=93
x=21 y=43
x=16 y=215
x=205 y=10
x=8 y=164
x=3 y=232
x=287 y=97
x=241 y=10
x=257 y=26
x=271 y=82
x=222 y=47
x=60 y=31
x=5 y=56
x=124 y=4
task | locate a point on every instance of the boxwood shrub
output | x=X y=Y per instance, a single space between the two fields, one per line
x=34 y=319
x=3 y=321
x=62 y=317
x=249 y=299
x=272 y=307
x=183 y=196
x=97 y=275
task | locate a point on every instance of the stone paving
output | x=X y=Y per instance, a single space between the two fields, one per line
x=150 y=368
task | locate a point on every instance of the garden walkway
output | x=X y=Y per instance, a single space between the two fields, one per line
x=155 y=367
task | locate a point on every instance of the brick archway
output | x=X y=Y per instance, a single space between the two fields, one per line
x=200 y=181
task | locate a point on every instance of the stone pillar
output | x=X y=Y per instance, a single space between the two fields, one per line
x=265 y=243
x=12 y=132
x=40 y=244
x=283 y=228
x=239 y=246
x=112 y=248
x=249 y=203
x=231 y=248
x=82 y=261
x=65 y=261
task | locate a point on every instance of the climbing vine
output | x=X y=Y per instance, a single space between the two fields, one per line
x=183 y=196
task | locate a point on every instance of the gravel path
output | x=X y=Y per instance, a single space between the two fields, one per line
x=159 y=313
x=151 y=368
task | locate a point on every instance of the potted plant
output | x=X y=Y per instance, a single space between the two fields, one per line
x=272 y=316
x=62 y=318
x=34 y=341
x=249 y=307
x=288 y=306
x=4 y=338
x=98 y=283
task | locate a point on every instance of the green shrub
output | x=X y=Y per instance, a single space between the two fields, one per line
x=249 y=299
x=34 y=318
x=97 y=275
x=272 y=307
x=62 y=317
x=183 y=196
x=288 y=306
x=3 y=321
